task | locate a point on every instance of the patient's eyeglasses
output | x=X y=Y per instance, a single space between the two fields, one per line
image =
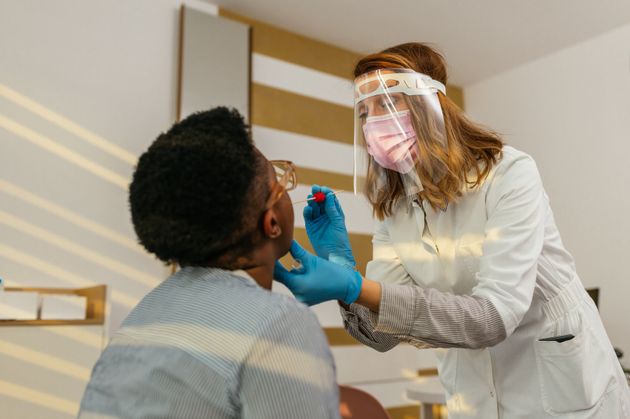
x=286 y=180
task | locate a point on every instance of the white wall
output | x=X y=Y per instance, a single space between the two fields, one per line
x=85 y=86
x=571 y=112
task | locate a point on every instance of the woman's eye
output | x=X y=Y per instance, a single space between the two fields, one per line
x=389 y=103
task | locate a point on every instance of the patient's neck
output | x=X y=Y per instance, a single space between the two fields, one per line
x=262 y=274
x=262 y=262
x=259 y=265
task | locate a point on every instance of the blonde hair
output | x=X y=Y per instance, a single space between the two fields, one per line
x=443 y=171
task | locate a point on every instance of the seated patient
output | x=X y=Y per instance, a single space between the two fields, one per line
x=212 y=341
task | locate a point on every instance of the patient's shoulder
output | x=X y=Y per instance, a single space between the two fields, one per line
x=290 y=325
x=285 y=308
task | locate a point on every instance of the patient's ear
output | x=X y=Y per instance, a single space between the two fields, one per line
x=271 y=224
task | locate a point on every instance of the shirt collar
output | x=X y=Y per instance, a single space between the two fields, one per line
x=243 y=274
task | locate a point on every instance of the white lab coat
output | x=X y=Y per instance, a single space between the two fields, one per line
x=500 y=242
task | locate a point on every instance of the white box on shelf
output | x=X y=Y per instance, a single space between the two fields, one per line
x=63 y=307
x=18 y=305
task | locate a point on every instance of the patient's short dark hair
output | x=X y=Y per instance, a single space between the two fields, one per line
x=195 y=191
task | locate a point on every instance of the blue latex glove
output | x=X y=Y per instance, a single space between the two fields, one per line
x=319 y=280
x=326 y=228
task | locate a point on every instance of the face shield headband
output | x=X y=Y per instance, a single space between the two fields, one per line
x=385 y=82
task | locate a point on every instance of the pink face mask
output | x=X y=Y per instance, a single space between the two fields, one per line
x=391 y=141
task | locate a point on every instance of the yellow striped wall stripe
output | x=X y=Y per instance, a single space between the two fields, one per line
x=297 y=49
x=338 y=336
x=283 y=110
x=413 y=412
x=335 y=181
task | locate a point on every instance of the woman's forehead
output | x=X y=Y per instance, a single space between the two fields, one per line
x=379 y=99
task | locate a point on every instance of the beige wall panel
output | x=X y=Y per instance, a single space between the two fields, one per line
x=288 y=46
x=413 y=412
x=456 y=94
x=319 y=177
x=287 y=111
x=404 y=412
x=338 y=336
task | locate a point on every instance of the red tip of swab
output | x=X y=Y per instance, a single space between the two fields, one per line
x=319 y=197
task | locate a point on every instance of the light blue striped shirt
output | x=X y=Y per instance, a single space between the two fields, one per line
x=209 y=343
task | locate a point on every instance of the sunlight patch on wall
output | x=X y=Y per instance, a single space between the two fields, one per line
x=70 y=126
x=61 y=274
x=70 y=216
x=43 y=360
x=78 y=250
x=63 y=152
x=37 y=397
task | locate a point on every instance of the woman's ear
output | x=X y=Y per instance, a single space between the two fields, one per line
x=271 y=225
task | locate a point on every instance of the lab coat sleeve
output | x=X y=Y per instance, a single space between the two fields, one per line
x=385 y=266
x=507 y=274
x=516 y=206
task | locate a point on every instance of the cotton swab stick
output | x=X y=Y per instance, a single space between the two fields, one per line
x=317 y=197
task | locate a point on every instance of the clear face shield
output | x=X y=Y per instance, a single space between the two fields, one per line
x=398 y=119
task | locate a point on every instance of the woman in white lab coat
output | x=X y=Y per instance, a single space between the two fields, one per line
x=466 y=257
